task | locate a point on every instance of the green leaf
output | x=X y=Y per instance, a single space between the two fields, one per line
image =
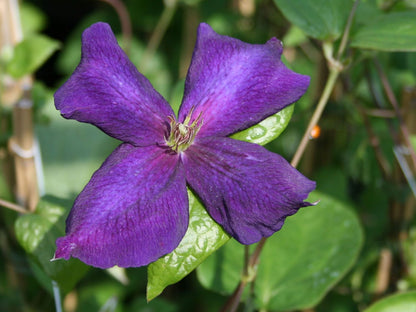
x=294 y=37
x=320 y=19
x=30 y=54
x=204 y=235
x=37 y=234
x=268 y=129
x=299 y=264
x=390 y=32
x=202 y=238
x=223 y=270
x=33 y=19
x=262 y=133
x=404 y=302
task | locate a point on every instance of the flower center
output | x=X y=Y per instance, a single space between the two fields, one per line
x=183 y=134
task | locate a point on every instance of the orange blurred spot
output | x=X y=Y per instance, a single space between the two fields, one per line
x=315 y=133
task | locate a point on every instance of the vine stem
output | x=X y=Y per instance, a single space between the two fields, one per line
x=159 y=32
x=329 y=86
x=57 y=296
x=12 y=206
x=335 y=68
x=232 y=303
x=125 y=22
x=393 y=101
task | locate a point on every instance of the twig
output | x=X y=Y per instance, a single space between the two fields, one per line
x=383 y=272
x=346 y=34
x=379 y=103
x=399 y=152
x=332 y=78
x=375 y=143
x=234 y=300
x=158 y=33
x=393 y=101
x=12 y=206
x=125 y=22
x=382 y=113
x=249 y=274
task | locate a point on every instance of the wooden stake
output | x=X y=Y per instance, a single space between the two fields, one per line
x=21 y=144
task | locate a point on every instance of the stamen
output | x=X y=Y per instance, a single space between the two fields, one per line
x=182 y=134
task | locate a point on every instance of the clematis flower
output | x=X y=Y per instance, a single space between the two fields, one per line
x=135 y=207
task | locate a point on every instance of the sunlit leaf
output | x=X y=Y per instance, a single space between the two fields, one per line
x=204 y=235
x=33 y=19
x=202 y=238
x=268 y=129
x=30 y=54
x=298 y=264
x=404 y=302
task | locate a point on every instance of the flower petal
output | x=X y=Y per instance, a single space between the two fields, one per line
x=108 y=91
x=235 y=84
x=133 y=211
x=245 y=188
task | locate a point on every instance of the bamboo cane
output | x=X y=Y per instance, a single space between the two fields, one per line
x=17 y=94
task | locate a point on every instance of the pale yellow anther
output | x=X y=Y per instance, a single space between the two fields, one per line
x=182 y=135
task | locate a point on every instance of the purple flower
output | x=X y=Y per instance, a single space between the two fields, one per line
x=135 y=207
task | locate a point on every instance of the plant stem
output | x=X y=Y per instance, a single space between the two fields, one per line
x=249 y=274
x=393 y=101
x=329 y=86
x=346 y=34
x=158 y=33
x=57 y=296
x=12 y=206
x=234 y=300
x=375 y=143
x=125 y=22
x=335 y=68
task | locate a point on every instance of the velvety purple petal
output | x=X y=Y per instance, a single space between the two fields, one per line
x=108 y=91
x=245 y=188
x=133 y=211
x=235 y=84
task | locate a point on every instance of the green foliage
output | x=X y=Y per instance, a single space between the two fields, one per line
x=30 y=54
x=401 y=302
x=33 y=19
x=300 y=263
x=37 y=234
x=320 y=19
x=204 y=235
x=268 y=129
x=202 y=238
x=389 y=32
